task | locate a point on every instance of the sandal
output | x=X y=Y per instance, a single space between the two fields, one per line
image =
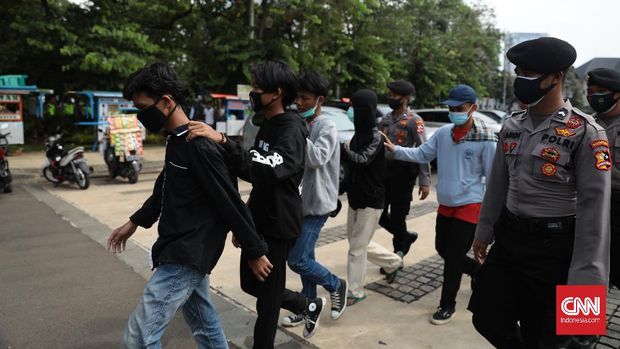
x=351 y=299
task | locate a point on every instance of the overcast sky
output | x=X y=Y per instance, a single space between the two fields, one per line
x=592 y=26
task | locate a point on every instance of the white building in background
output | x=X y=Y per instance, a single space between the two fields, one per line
x=512 y=39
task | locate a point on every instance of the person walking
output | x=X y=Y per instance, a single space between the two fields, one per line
x=546 y=207
x=196 y=202
x=366 y=193
x=464 y=151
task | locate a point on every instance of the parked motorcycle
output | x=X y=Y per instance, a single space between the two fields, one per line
x=127 y=167
x=5 y=172
x=63 y=165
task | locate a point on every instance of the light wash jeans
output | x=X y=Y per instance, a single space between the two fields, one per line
x=171 y=287
x=302 y=261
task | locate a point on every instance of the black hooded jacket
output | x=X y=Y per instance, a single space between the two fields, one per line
x=275 y=167
x=366 y=155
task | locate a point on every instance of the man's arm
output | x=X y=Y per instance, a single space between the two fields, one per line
x=488 y=153
x=424 y=154
x=590 y=262
x=145 y=217
x=321 y=150
x=494 y=197
x=208 y=166
x=239 y=161
x=149 y=213
x=418 y=133
x=367 y=154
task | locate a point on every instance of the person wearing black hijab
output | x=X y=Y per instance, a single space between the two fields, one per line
x=366 y=192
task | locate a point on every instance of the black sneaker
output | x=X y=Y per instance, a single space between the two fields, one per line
x=391 y=277
x=339 y=300
x=293 y=320
x=383 y=272
x=409 y=240
x=313 y=316
x=442 y=316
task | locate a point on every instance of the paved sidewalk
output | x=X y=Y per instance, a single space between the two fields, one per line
x=61 y=289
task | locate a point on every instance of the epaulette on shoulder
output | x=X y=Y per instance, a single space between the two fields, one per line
x=517 y=113
x=588 y=118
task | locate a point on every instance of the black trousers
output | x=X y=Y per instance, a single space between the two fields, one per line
x=453 y=240
x=271 y=294
x=614 y=262
x=397 y=204
x=513 y=303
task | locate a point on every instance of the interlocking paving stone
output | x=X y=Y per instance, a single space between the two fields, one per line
x=612 y=338
x=418 y=279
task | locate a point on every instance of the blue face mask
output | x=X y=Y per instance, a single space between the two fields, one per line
x=459 y=118
x=350 y=113
x=310 y=112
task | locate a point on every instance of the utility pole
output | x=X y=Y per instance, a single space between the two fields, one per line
x=505 y=75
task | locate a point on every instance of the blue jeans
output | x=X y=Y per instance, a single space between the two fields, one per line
x=171 y=287
x=302 y=261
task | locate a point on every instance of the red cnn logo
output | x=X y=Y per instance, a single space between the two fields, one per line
x=580 y=310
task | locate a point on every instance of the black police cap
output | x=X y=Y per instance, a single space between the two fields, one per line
x=605 y=77
x=401 y=87
x=543 y=55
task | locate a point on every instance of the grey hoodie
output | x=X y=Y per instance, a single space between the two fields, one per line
x=319 y=193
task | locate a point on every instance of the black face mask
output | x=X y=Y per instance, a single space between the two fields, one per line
x=256 y=103
x=394 y=103
x=528 y=90
x=152 y=118
x=602 y=102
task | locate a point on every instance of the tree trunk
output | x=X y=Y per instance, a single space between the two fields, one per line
x=46 y=8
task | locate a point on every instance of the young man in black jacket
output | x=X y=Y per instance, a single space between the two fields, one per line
x=197 y=203
x=275 y=167
x=366 y=192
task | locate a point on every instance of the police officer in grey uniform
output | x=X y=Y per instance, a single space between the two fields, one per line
x=604 y=96
x=546 y=206
x=406 y=129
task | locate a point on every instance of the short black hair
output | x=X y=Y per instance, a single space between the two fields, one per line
x=271 y=75
x=155 y=80
x=313 y=82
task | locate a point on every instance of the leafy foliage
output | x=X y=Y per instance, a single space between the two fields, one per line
x=213 y=43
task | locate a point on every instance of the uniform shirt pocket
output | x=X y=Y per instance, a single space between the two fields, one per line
x=552 y=164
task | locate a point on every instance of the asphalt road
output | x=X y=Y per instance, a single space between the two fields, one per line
x=59 y=288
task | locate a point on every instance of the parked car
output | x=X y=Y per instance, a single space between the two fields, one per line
x=436 y=118
x=343 y=124
x=383 y=110
x=497 y=115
